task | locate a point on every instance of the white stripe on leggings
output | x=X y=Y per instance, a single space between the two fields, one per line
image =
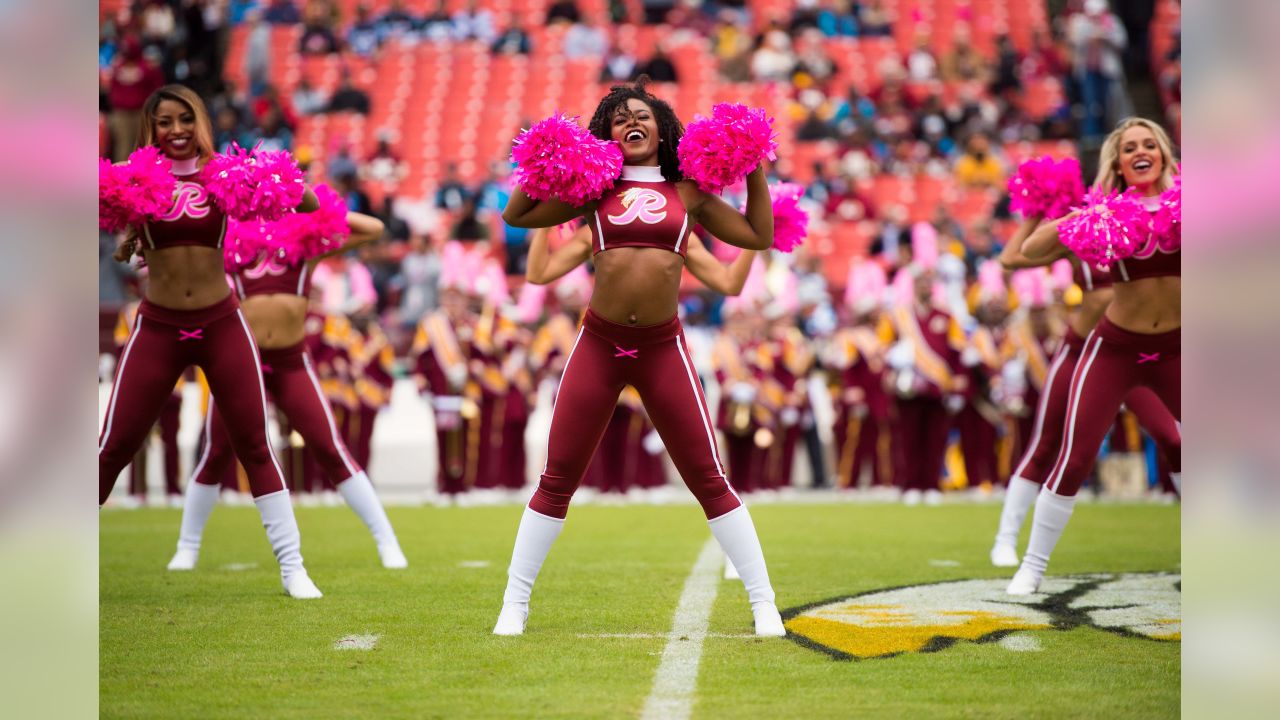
x=115 y=387
x=1069 y=431
x=352 y=468
x=1038 y=429
x=702 y=413
x=207 y=449
x=556 y=399
x=262 y=392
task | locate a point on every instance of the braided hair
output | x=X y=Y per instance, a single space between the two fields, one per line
x=670 y=129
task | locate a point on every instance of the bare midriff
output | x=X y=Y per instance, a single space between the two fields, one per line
x=186 y=277
x=637 y=285
x=1150 y=305
x=277 y=321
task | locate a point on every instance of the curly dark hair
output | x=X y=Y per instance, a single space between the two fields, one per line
x=670 y=129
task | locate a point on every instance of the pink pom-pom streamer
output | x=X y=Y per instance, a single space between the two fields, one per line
x=1046 y=188
x=244 y=243
x=1166 y=221
x=790 y=221
x=254 y=184
x=298 y=237
x=559 y=159
x=136 y=191
x=1107 y=228
x=718 y=151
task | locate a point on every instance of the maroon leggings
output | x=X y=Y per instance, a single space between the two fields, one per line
x=294 y=388
x=1113 y=362
x=163 y=344
x=655 y=360
x=1046 y=435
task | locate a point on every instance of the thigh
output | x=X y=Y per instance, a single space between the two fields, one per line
x=1100 y=382
x=1165 y=380
x=216 y=456
x=231 y=366
x=149 y=367
x=1157 y=419
x=296 y=393
x=583 y=405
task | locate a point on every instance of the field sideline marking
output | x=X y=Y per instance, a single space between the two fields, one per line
x=677 y=675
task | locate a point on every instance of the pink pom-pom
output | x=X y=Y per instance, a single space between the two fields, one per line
x=790 y=221
x=137 y=191
x=254 y=184
x=558 y=159
x=1107 y=228
x=1046 y=188
x=1166 y=221
x=244 y=243
x=718 y=151
x=298 y=237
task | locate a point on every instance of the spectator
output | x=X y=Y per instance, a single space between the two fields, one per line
x=473 y=23
x=875 y=20
x=157 y=23
x=419 y=281
x=257 y=56
x=1048 y=58
x=655 y=11
x=732 y=48
x=981 y=245
x=563 y=11
x=342 y=165
x=804 y=17
x=963 y=63
x=349 y=97
x=363 y=38
x=660 y=69
x=270 y=100
x=845 y=202
x=813 y=128
x=385 y=166
x=396 y=22
x=1005 y=81
x=921 y=65
x=227 y=97
x=894 y=237
x=813 y=64
x=345 y=286
x=931 y=126
x=1097 y=40
x=132 y=80
x=357 y=200
x=228 y=128
x=318 y=37
x=437 y=27
x=586 y=39
x=271 y=133
x=853 y=111
x=308 y=100
x=397 y=229
x=946 y=225
x=978 y=167
x=836 y=19
x=512 y=41
x=469 y=227
x=238 y=11
x=619 y=66
x=452 y=194
x=282 y=12
x=773 y=61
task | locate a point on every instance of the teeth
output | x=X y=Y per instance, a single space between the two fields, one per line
x=635 y=135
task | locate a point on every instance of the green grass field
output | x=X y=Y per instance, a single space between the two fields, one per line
x=224 y=642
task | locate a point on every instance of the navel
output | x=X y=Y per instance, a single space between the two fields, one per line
x=633 y=319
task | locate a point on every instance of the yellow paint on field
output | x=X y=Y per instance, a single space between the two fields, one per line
x=868 y=641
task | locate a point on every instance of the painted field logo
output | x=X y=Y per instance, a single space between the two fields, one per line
x=929 y=618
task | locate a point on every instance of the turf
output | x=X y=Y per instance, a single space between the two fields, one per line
x=226 y=643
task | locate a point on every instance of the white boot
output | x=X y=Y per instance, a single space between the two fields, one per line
x=534 y=538
x=286 y=542
x=195 y=515
x=1019 y=498
x=768 y=620
x=737 y=537
x=1051 y=516
x=1177 y=482
x=730 y=572
x=360 y=497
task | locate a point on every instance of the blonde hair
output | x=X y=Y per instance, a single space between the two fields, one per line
x=1111 y=178
x=185 y=95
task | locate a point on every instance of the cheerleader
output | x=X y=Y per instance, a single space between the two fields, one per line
x=274 y=297
x=1136 y=344
x=190 y=317
x=631 y=335
x=1046 y=438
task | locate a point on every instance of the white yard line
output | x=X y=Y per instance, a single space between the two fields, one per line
x=677 y=676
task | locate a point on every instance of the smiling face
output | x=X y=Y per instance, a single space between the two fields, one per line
x=175 y=130
x=1141 y=161
x=635 y=129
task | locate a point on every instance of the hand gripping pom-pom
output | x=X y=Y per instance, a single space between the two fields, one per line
x=1166 y=221
x=790 y=221
x=132 y=193
x=1107 y=228
x=557 y=159
x=254 y=184
x=718 y=151
x=1045 y=188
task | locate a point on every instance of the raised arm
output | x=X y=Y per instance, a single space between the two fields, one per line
x=1012 y=257
x=544 y=266
x=1044 y=246
x=523 y=211
x=724 y=279
x=364 y=229
x=752 y=231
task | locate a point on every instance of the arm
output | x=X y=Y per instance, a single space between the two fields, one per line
x=364 y=229
x=523 y=211
x=1012 y=257
x=544 y=266
x=309 y=202
x=1044 y=246
x=724 y=279
x=753 y=231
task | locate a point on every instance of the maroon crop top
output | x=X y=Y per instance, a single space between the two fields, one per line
x=1089 y=277
x=1157 y=257
x=270 y=276
x=642 y=210
x=194 y=219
